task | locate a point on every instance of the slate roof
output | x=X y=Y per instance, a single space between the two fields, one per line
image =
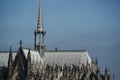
x=68 y=57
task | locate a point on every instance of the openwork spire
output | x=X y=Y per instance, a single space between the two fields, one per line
x=40 y=33
x=40 y=18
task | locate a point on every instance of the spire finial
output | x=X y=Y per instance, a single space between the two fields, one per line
x=20 y=43
x=40 y=18
x=10 y=49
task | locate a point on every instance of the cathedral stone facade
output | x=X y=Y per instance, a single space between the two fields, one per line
x=40 y=64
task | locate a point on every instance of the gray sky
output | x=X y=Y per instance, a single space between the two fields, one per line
x=70 y=24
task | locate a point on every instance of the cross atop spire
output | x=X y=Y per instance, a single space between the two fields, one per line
x=40 y=18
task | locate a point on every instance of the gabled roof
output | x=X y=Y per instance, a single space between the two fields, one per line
x=59 y=57
x=4 y=55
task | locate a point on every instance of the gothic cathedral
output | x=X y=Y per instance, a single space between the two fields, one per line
x=42 y=64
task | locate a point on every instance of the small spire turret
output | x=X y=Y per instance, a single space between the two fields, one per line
x=29 y=65
x=10 y=64
x=40 y=33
